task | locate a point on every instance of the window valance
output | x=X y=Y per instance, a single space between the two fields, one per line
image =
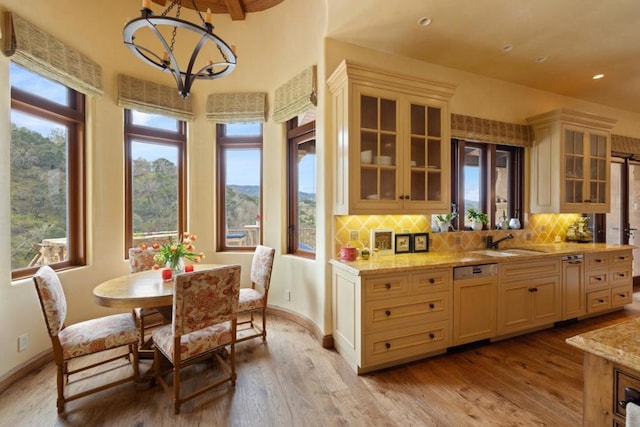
x=154 y=98
x=295 y=96
x=237 y=107
x=42 y=53
x=490 y=131
x=625 y=146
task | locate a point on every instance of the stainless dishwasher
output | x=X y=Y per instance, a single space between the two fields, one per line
x=475 y=299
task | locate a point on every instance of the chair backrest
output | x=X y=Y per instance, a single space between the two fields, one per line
x=141 y=259
x=205 y=298
x=52 y=299
x=261 y=267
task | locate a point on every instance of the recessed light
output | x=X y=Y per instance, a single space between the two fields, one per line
x=598 y=76
x=424 y=21
x=507 y=48
x=541 y=58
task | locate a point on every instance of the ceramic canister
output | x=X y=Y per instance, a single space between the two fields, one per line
x=348 y=253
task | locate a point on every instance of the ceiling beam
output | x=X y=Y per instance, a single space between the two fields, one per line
x=235 y=9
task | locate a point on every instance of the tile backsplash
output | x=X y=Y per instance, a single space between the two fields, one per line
x=538 y=228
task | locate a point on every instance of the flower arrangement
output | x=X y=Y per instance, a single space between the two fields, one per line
x=172 y=254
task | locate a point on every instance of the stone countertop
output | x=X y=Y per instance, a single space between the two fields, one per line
x=426 y=260
x=618 y=343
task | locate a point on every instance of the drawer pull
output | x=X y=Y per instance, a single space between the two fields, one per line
x=598 y=260
x=432 y=305
x=432 y=335
x=621 y=274
x=622 y=258
x=432 y=280
x=387 y=285
x=387 y=313
x=598 y=278
x=601 y=301
x=533 y=289
x=387 y=345
x=622 y=295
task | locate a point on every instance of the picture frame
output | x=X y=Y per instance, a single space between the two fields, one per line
x=420 y=242
x=403 y=243
x=382 y=242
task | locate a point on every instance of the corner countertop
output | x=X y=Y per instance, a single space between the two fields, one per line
x=421 y=261
x=618 y=343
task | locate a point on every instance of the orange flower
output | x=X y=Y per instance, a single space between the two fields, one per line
x=155 y=246
x=156 y=267
x=174 y=248
x=196 y=260
x=143 y=247
x=201 y=255
x=185 y=235
x=193 y=237
x=191 y=248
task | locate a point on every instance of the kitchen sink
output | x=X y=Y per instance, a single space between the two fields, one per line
x=500 y=253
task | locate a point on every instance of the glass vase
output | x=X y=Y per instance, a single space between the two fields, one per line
x=176 y=266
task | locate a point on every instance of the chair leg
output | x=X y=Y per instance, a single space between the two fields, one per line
x=141 y=331
x=264 y=323
x=60 y=380
x=136 y=370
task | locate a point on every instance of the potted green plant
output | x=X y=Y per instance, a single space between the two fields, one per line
x=444 y=221
x=477 y=218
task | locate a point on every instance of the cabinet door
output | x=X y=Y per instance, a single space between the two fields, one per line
x=474 y=310
x=598 y=166
x=514 y=307
x=376 y=152
x=573 y=290
x=574 y=165
x=426 y=158
x=545 y=300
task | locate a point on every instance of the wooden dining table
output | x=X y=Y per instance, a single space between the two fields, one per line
x=145 y=289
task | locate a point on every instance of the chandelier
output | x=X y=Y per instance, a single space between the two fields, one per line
x=161 y=41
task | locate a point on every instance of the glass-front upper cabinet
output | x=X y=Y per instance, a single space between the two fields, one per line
x=392 y=142
x=570 y=162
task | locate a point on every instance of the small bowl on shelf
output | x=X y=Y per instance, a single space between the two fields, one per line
x=372 y=197
x=382 y=160
x=366 y=157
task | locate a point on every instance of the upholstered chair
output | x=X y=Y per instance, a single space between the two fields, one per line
x=83 y=338
x=254 y=299
x=205 y=309
x=142 y=260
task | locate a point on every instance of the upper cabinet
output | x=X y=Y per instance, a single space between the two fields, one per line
x=392 y=142
x=570 y=161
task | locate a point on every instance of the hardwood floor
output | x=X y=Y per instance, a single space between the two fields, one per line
x=532 y=380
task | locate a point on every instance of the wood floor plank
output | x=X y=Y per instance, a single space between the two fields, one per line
x=531 y=380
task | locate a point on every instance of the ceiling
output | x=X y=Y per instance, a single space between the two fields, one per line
x=577 y=38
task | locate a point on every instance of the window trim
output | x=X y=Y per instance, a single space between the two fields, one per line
x=177 y=139
x=296 y=135
x=223 y=143
x=487 y=170
x=73 y=117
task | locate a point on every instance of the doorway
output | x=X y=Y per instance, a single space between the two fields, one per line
x=623 y=220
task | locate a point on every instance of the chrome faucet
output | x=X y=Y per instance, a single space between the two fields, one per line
x=494 y=245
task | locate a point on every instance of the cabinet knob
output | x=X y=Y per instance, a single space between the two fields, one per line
x=598 y=278
x=387 y=285
x=432 y=280
x=601 y=301
x=401 y=197
x=432 y=305
x=387 y=345
x=432 y=335
x=408 y=197
x=387 y=313
x=598 y=260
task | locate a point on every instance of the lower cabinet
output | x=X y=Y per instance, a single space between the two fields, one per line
x=525 y=302
x=383 y=320
x=609 y=280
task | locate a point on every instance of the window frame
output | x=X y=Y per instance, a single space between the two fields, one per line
x=296 y=135
x=177 y=139
x=71 y=116
x=225 y=142
x=487 y=170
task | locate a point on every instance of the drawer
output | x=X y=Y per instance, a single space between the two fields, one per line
x=393 y=345
x=621 y=257
x=621 y=295
x=435 y=280
x=403 y=312
x=598 y=301
x=597 y=279
x=386 y=286
x=621 y=275
x=622 y=379
x=519 y=270
x=596 y=260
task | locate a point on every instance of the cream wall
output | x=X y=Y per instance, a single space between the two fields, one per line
x=273 y=46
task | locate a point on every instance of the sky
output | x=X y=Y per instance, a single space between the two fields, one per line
x=240 y=169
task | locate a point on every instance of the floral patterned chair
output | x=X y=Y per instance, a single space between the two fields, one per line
x=84 y=338
x=254 y=299
x=205 y=309
x=142 y=260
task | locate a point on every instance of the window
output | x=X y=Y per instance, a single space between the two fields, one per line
x=301 y=188
x=488 y=178
x=47 y=174
x=239 y=186
x=155 y=207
